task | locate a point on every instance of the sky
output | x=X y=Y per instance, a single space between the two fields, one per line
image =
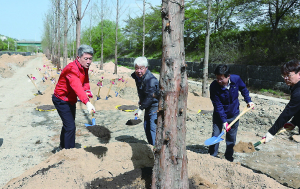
x=24 y=20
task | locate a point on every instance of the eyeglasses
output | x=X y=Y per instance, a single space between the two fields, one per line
x=288 y=76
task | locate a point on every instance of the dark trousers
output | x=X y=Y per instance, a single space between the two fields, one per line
x=149 y=124
x=230 y=138
x=67 y=114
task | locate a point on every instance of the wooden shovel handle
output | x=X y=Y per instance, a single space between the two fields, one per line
x=33 y=82
x=246 y=109
x=264 y=139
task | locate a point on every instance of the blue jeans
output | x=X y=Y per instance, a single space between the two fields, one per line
x=230 y=138
x=67 y=114
x=149 y=124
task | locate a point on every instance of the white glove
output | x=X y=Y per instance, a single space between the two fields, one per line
x=138 y=112
x=90 y=107
x=250 y=104
x=268 y=137
x=225 y=126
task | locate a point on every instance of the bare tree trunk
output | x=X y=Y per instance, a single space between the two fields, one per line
x=116 y=43
x=206 y=54
x=65 y=35
x=170 y=166
x=144 y=27
x=101 y=63
x=78 y=25
x=58 y=36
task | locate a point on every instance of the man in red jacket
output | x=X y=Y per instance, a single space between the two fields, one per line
x=72 y=83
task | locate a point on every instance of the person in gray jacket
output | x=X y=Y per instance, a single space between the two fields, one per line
x=147 y=85
x=291 y=74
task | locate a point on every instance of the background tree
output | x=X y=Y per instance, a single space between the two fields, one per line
x=170 y=164
x=206 y=55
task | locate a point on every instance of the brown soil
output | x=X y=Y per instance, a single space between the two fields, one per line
x=124 y=159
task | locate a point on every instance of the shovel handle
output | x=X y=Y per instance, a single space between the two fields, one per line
x=264 y=139
x=246 y=109
x=34 y=84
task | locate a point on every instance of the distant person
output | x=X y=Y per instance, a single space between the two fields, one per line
x=72 y=83
x=224 y=93
x=291 y=74
x=147 y=85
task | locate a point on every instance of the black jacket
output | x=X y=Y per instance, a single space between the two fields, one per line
x=292 y=109
x=146 y=86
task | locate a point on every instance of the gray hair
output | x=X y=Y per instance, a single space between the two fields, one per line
x=141 y=61
x=85 y=49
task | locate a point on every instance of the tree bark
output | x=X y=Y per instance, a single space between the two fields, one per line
x=101 y=63
x=170 y=166
x=58 y=36
x=78 y=25
x=144 y=3
x=116 y=43
x=206 y=53
x=65 y=34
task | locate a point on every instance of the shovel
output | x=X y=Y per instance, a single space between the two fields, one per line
x=39 y=92
x=217 y=139
x=100 y=85
x=93 y=120
x=112 y=81
x=289 y=128
x=121 y=87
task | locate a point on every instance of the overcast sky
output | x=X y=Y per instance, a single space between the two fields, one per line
x=23 y=20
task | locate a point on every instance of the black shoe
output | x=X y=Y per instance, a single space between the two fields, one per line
x=56 y=149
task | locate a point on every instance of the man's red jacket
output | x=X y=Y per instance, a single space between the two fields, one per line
x=73 y=81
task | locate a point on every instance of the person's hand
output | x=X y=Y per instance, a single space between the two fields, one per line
x=90 y=107
x=138 y=112
x=268 y=137
x=289 y=126
x=225 y=126
x=250 y=104
x=89 y=93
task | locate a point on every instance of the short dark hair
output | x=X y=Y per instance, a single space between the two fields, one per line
x=222 y=69
x=290 y=66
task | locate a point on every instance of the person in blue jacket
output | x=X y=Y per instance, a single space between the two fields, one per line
x=224 y=93
x=147 y=85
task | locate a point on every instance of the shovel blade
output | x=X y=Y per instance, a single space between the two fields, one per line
x=93 y=121
x=106 y=98
x=98 y=97
x=214 y=139
x=87 y=125
x=117 y=94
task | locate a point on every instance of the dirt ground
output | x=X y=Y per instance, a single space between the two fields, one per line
x=29 y=137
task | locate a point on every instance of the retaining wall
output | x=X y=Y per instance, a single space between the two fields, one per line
x=261 y=77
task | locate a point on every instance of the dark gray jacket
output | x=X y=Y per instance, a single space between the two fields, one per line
x=146 y=86
x=292 y=109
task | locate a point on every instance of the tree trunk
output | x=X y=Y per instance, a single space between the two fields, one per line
x=78 y=25
x=170 y=166
x=116 y=44
x=144 y=28
x=206 y=54
x=58 y=36
x=65 y=35
x=101 y=63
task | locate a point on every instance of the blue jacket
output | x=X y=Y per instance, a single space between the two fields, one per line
x=226 y=103
x=146 y=86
